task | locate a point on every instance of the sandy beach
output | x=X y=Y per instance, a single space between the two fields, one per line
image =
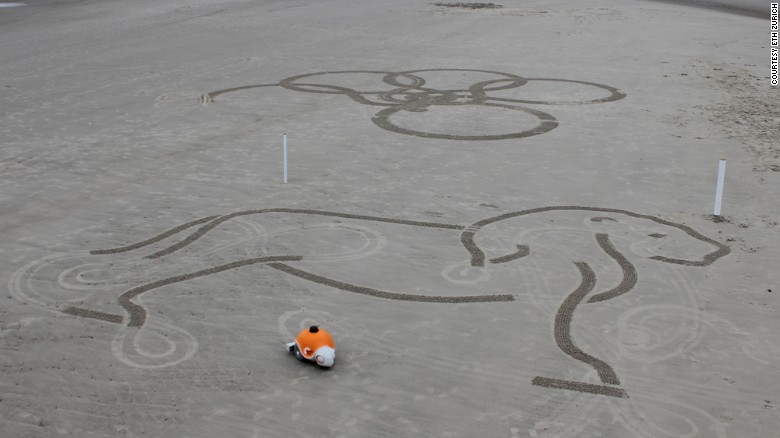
x=503 y=213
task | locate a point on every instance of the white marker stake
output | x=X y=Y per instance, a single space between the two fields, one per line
x=285 y=158
x=719 y=188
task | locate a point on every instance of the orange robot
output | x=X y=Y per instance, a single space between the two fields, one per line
x=314 y=344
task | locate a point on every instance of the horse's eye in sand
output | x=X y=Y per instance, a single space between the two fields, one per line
x=602 y=219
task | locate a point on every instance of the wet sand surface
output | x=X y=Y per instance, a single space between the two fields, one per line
x=501 y=211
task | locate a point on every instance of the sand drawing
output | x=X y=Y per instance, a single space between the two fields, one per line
x=401 y=93
x=468 y=5
x=319 y=246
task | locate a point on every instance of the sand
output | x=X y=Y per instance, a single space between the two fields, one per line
x=502 y=213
